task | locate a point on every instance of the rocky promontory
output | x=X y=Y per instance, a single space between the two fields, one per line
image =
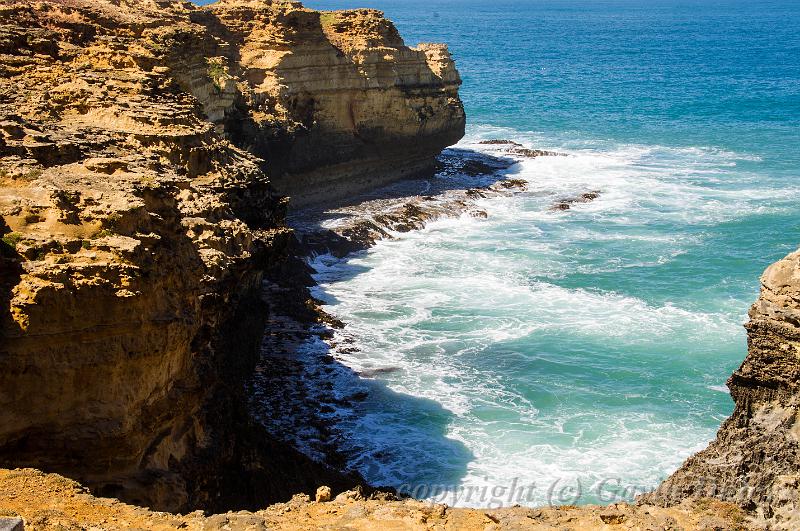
x=755 y=459
x=335 y=102
x=149 y=151
x=144 y=147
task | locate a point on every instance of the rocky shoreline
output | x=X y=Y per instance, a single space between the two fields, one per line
x=143 y=150
x=762 y=486
x=292 y=392
x=155 y=301
x=283 y=400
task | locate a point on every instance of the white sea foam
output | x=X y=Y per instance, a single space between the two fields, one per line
x=663 y=183
x=719 y=388
x=536 y=344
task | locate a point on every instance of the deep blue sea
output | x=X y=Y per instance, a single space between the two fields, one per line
x=581 y=353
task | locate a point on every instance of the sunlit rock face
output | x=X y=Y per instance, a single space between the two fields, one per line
x=141 y=146
x=336 y=102
x=755 y=460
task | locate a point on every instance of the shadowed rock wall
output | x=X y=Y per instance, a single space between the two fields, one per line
x=137 y=143
x=755 y=459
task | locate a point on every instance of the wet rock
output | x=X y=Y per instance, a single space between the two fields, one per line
x=359 y=396
x=499 y=142
x=358 y=228
x=372 y=373
x=533 y=153
x=515 y=148
x=462 y=162
x=564 y=204
x=509 y=184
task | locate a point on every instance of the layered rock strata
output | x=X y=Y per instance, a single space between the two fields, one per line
x=139 y=223
x=335 y=101
x=141 y=144
x=755 y=459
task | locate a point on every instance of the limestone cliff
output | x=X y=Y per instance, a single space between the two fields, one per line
x=144 y=150
x=345 y=105
x=137 y=141
x=755 y=460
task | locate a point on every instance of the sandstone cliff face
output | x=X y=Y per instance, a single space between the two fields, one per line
x=136 y=144
x=140 y=146
x=345 y=105
x=755 y=460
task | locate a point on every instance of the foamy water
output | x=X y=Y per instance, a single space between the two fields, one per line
x=586 y=350
x=571 y=352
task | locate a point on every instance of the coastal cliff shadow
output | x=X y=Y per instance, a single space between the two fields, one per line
x=223 y=460
x=352 y=271
x=354 y=421
x=10 y=274
x=456 y=169
x=305 y=393
x=411 y=453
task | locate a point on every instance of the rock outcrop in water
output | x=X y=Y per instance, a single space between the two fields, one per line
x=755 y=460
x=141 y=144
x=137 y=142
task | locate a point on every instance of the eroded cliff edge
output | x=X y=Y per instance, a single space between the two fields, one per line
x=336 y=102
x=755 y=459
x=140 y=147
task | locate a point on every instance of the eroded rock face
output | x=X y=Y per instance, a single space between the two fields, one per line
x=755 y=460
x=138 y=222
x=137 y=145
x=335 y=101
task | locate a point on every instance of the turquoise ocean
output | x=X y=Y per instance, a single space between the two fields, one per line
x=584 y=353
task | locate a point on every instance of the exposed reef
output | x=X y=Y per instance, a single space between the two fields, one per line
x=567 y=202
x=357 y=224
x=148 y=268
x=515 y=148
